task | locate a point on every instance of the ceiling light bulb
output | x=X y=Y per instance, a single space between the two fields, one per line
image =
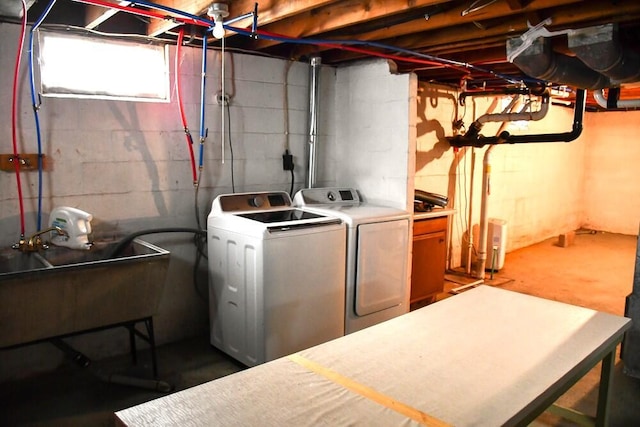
x=218 y=30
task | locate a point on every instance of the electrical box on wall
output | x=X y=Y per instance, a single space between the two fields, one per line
x=26 y=162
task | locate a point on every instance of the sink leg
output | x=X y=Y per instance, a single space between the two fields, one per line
x=132 y=343
x=152 y=343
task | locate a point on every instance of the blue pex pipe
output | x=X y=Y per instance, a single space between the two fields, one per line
x=36 y=107
x=203 y=134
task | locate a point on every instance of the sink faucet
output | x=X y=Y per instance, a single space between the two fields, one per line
x=34 y=242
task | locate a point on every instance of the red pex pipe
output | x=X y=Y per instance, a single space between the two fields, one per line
x=14 y=121
x=181 y=107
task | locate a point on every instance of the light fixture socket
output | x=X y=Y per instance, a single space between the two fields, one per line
x=218 y=11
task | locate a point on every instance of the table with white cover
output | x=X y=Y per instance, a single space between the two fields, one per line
x=486 y=357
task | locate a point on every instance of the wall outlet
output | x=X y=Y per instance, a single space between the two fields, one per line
x=222 y=99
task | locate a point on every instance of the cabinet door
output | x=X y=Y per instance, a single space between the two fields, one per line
x=428 y=265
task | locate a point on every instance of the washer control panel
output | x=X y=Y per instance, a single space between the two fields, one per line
x=242 y=202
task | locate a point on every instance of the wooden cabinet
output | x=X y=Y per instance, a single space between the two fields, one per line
x=429 y=259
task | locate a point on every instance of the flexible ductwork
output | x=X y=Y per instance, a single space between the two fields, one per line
x=540 y=61
x=13 y=8
x=599 y=48
x=474 y=139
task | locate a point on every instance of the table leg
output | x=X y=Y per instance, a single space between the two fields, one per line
x=606 y=382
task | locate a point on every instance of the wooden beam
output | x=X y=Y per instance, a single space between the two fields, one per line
x=563 y=17
x=341 y=15
x=193 y=7
x=445 y=20
x=96 y=15
x=268 y=11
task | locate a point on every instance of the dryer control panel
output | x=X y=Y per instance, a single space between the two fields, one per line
x=327 y=196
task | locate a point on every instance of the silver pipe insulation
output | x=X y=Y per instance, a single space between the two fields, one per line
x=314 y=103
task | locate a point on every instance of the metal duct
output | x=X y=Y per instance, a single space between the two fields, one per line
x=540 y=61
x=13 y=8
x=599 y=47
x=313 y=120
x=475 y=140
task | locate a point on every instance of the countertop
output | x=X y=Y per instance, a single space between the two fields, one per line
x=435 y=213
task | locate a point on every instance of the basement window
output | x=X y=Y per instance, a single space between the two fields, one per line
x=100 y=67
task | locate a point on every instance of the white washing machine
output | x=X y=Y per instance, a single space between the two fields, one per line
x=377 y=281
x=276 y=276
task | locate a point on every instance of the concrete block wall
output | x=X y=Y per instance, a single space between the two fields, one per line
x=612 y=175
x=127 y=163
x=374 y=133
x=536 y=188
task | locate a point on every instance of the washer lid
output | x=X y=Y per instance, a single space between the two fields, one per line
x=268 y=217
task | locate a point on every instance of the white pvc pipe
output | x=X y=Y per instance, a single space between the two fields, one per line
x=470 y=222
x=481 y=252
x=602 y=101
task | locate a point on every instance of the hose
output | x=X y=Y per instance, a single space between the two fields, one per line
x=200 y=241
x=126 y=241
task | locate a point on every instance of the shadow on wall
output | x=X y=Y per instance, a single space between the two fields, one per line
x=136 y=141
x=431 y=98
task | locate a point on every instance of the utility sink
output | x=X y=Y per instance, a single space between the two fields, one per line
x=60 y=291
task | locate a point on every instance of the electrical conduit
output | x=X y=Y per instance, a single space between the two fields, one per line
x=313 y=120
x=181 y=107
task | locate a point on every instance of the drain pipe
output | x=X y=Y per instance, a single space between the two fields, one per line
x=507 y=115
x=481 y=252
x=470 y=139
x=313 y=120
x=607 y=103
x=481 y=257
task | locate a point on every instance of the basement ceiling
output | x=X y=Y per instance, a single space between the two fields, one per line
x=469 y=35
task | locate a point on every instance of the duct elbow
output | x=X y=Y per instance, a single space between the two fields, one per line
x=540 y=61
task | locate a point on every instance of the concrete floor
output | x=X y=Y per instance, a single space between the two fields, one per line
x=595 y=272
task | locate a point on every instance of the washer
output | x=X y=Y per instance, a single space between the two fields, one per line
x=377 y=282
x=276 y=276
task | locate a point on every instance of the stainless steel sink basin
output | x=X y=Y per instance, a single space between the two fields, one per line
x=60 y=291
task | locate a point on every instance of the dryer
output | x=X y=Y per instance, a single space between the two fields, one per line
x=276 y=276
x=377 y=281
